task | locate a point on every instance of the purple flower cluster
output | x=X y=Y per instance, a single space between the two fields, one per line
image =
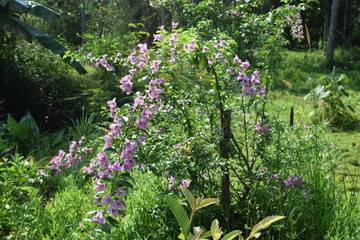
x=236 y=13
x=263 y=129
x=66 y=160
x=293 y=181
x=103 y=167
x=250 y=86
x=297 y=29
x=172 y=181
x=101 y=61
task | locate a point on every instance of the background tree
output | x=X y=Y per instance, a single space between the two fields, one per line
x=332 y=29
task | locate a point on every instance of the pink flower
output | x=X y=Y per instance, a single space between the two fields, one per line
x=192 y=45
x=185 y=183
x=132 y=71
x=248 y=90
x=154 y=93
x=245 y=64
x=108 y=200
x=99 y=186
x=155 y=65
x=120 y=192
x=115 y=129
x=108 y=141
x=222 y=42
x=139 y=101
x=113 y=211
x=205 y=49
x=217 y=46
x=236 y=59
x=99 y=217
x=172 y=179
x=142 y=123
x=175 y=24
x=261 y=91
x=211 y=61
x=141 y=65
x=170 y=187
x=158 y=37
x=126 y=84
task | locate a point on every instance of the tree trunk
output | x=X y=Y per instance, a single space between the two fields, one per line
x=83 y=22
x=163 y=16
x=347 y=23
x=332 y=30
x=225 y=182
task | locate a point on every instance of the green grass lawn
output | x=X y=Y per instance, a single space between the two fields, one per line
x=298 y=73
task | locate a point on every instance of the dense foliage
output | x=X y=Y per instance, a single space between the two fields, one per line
x=176 y=113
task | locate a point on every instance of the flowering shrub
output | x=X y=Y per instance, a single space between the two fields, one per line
x=229 y=85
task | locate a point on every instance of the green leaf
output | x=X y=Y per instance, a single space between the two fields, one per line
x=125 y=183
x=325 y=94
x=28 y=122
x=232 y=235
x=350 y=107
x=42 y=11
x=189 y=197
x=206 y=202
x=19 y=6
x=257 y=235
x=30 y=33
x=206 y=235
x=265 y=223
x=28 y=189
x=215 y=230
x=14 y=127
x=112 y=221
x=106 y=228
x=180 y=215
x=319 y=89
x=182 y=236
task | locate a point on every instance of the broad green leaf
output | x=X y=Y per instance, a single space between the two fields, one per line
x=13 y=125
x=180 y=215
x=189 y=197
x=28 y=122
x=232 y=235
x=30 y=33
x=319 y=89
x=265 y=223
x=19 y=6
x=182 y=236
x=257 y=235
x=206 y=202
x=215 y=230
x=241 y=237
x=324 y=94
x=42 y=11
x=206 y=235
